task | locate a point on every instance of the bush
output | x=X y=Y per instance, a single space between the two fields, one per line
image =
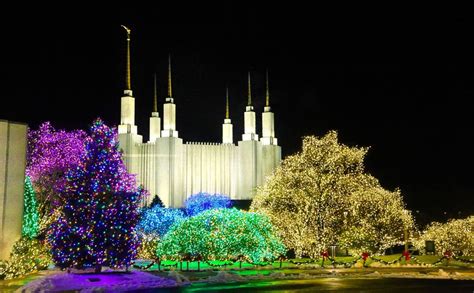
x=456 y=236
x=201 y=202
x=222 y=234
x=27 y=256
x=158 y=220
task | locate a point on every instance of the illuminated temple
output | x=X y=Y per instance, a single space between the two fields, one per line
x=173 y=169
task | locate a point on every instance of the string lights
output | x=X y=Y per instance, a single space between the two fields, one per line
x=321 y=197
x=100 y=210
x=222 y=234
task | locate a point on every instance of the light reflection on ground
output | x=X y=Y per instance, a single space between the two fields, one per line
x=371 y=280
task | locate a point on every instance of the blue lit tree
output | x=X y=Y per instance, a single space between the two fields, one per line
x=98 y=221
x=158 y=220
x=200 y=202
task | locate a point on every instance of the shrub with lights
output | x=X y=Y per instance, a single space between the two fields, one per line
x=321 y=193
x=197 y=203
x=28 y=255
x=222 y=234
x=97 y=225
x=154 y=224
x=158 y=220
x=455 y=236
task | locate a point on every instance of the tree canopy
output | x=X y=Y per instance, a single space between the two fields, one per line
x=312 y=195
x=222 y=234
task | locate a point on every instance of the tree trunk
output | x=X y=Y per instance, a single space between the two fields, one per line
x=98 y=269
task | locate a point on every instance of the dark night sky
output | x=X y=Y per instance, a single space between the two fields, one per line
x=400 y=83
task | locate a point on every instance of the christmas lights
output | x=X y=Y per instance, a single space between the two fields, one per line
x=455 y=236
x=50 y=154
x=100 y=210
x=222 y=234
x=27 y=256
x=158 y=220
x=321 y=196
x=200 y=202
x=30 y=212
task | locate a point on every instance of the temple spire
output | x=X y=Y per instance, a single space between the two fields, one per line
x=267 y=96
x=250 y=92
x=227 y=114
x=155 y=95
x=169 y=77
x=128 y=84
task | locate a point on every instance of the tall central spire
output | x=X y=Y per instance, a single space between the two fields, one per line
x=128 y=84
x=250 y=92
x=227 y=114
x=267 y=96
x=169 y=77
x=155 y=95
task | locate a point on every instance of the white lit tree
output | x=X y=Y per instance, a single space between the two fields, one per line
x=314 y=193
x=456 y=236
x=376 y=220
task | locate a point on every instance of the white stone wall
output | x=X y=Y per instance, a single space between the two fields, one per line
x=155 y=126
x=12 y=178
x=227 y=132
x=175 y=171
x=127 y=116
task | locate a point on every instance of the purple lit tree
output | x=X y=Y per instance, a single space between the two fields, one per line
x=98 y=219
x=51 y=153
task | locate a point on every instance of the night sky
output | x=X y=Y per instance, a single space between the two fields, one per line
x=399 y=83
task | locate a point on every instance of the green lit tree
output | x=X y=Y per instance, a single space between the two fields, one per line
x=30 y=211
x=222 y=234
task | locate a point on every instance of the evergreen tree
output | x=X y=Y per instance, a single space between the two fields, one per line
x=156 y=201
x=97 y=225
x=30 y=211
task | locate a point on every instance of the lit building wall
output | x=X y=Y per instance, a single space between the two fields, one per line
x=12 y=178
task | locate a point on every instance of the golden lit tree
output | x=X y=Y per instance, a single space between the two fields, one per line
x=456 y=236
x=311 y=195
x=376 y=220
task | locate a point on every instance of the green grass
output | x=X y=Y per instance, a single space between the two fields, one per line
x=306 y=263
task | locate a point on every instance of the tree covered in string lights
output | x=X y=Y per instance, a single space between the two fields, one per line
x=197 y=203
x=97 y=225
x=28 y=255
x=158 y=220
x=30 y=211
x=375 y=221
x=456 y=236
x=50 y=154
x=222 y=234
x=310 y=195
